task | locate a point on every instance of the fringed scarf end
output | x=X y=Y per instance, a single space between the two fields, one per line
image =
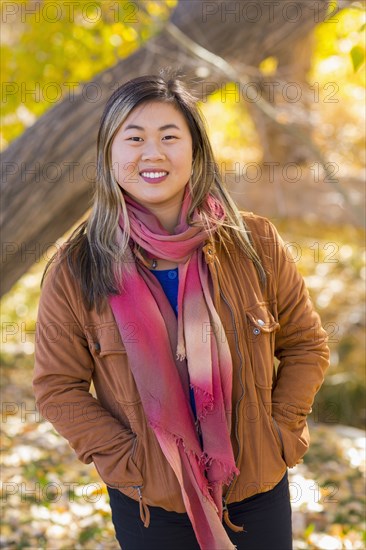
x=180 y=356
x=229 y=470
x=181 y=350
x=200 y=459
x=204 y=402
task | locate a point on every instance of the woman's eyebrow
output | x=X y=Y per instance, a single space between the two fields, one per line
x=162 y=128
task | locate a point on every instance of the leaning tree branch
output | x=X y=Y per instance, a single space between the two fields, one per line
x=274 y=114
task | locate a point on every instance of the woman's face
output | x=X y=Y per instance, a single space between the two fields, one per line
x=152 y=155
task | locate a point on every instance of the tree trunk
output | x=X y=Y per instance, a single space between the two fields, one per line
x=47 y=173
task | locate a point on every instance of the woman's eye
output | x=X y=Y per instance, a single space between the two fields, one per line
x=134 y=138
x=170 y=137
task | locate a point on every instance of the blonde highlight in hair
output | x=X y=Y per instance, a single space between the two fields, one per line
x=96 y=250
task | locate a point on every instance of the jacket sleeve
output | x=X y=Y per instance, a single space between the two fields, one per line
x=302 y=351
x=61 y=382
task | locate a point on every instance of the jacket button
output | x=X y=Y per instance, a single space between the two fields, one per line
x=256 y=331
x=96 y=346
x=261 y=322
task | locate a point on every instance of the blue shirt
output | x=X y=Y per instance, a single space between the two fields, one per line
x=168 y=279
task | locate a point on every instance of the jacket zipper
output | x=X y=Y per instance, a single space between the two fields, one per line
x=230 y=487
x=144 y=509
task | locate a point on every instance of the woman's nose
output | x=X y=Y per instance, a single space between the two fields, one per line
x=152 y=151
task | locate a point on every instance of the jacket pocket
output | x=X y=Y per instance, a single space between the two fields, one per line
x=293 y=443
x=137 y=453
x=278 y=436
x=125 y=472
x=261 y=329
x=111 y=366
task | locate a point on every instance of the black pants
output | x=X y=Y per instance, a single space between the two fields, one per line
x=266 y=518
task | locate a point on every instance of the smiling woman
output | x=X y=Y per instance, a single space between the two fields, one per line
x=152 y=164
x=178 y=305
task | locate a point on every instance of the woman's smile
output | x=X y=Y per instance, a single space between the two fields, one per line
x=153 y=175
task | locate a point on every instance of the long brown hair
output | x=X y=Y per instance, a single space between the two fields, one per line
x=93 y=255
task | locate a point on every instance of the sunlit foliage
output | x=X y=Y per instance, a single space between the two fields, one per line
x=50 y=51
x=336 y=96
x=332 y=260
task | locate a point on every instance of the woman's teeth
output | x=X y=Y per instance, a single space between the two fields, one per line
x=154 y=174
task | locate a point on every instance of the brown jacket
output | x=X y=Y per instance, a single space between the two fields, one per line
x=75 y=347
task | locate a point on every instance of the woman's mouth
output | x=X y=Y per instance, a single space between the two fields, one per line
x=154 y=177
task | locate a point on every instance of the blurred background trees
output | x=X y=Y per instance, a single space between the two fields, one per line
x=281 y=85
x=284 y=107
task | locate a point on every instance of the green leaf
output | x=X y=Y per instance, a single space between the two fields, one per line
x=310 y=528
x=357 y=56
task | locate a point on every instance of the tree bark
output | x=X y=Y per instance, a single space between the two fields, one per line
x=48 y=173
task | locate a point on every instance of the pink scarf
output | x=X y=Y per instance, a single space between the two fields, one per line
x=166 y=356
